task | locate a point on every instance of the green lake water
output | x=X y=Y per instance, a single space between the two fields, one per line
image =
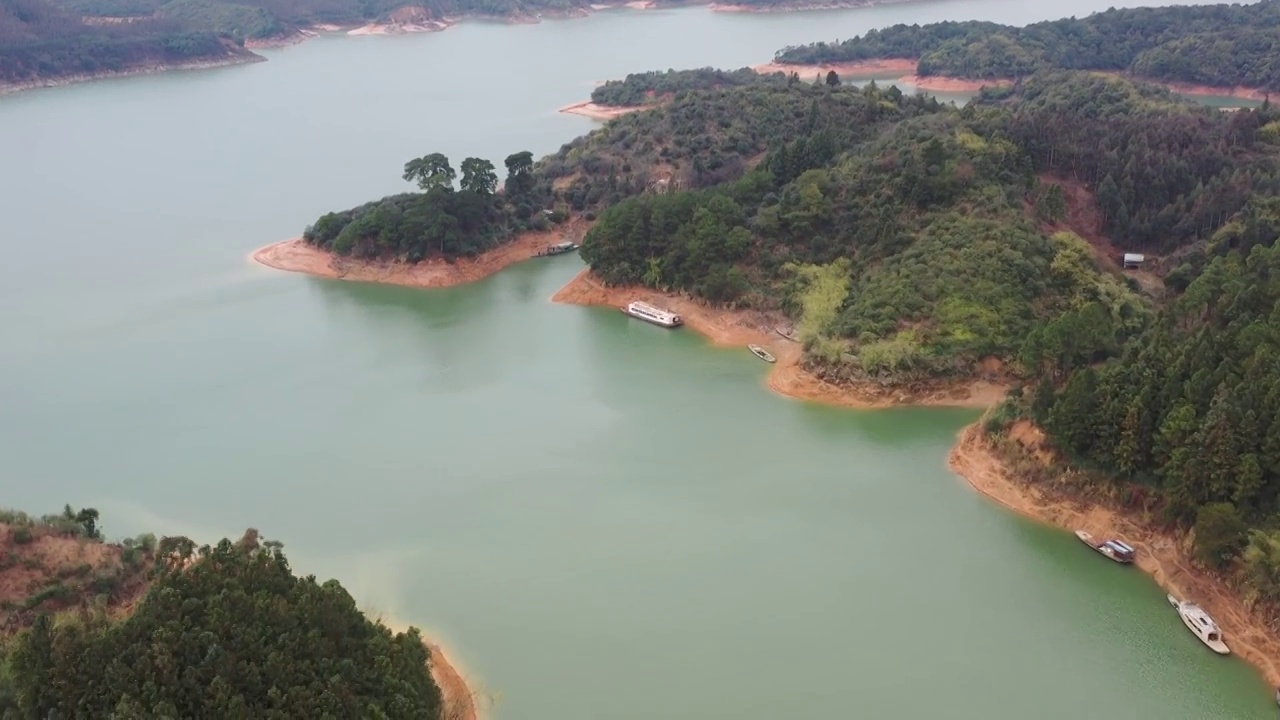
x=601 y=518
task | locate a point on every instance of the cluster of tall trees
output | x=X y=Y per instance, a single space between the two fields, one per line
x=1220 y=45
x=228 y=632
x=440 y=221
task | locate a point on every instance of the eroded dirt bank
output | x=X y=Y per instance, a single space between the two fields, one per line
x=1160 y=554
x=297 y=255
x=787 y=377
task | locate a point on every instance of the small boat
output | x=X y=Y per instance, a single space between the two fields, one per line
x=649 y=313
x=557 y=249
x=1200 y=624
x=1114 y=549
x=761 y=353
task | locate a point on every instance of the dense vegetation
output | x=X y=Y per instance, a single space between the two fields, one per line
x=703 y=138
x=644 y=88
x=1219 y=45
x=913 y=240
x=1188 y=418
x=440 y=221
x=223 y=632
x=40 y=40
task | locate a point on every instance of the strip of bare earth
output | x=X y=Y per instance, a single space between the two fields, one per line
x=948 y=84
x=298 y=256
x=244 y=59
x=985 y=467
x=788 y=378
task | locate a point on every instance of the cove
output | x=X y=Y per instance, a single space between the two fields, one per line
x=600 y=518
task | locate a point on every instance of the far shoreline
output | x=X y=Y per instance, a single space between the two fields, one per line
x=863 y=69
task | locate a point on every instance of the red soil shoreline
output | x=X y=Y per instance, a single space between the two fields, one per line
x=945 y=83
x=298 y=256
x=1160 y=554
x=598 y=112
x=786 y=377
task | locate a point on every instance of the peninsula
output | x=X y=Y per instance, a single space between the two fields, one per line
x=1194 y=49
x=163 y=628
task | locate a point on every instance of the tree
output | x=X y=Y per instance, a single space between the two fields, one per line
x=430 y=172
x=519 y=173
x=1220 y=534
x=478 y=176
x=833 y=80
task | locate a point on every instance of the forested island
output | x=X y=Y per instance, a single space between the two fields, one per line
x=1213 y=46
x=149 y=628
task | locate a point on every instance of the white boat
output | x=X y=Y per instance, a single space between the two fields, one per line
x=1200 y=624
x=1114 y=549
x=761 y=353
x=649 y=313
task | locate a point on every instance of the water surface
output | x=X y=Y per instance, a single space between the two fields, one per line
x=605 y=519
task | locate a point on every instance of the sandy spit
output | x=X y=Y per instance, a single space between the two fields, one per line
x=942 y=83
x=458 y=700
x=862 y=68
x=1159 y=553
x=598 y=112
x=297 y=256
x=787 y=378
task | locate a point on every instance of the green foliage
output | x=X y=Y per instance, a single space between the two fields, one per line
x=438 y=222
x=644 y=88
x=236 y=634
x=1220 y=45
x=1220 y=534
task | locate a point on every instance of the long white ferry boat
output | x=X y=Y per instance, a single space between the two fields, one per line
x=649 y=313
x=1200 y=624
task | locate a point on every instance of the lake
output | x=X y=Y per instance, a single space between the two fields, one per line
x=601 y=519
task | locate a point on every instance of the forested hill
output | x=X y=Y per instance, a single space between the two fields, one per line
x=40 y=41
x=1215 y=45
x=699 y=139
x=226 y=631
x=918 y=247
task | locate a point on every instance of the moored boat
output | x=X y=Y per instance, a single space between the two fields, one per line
x=761 y=353
x=1114 y=549
x=1200 y=624
x=648 y=313
x=557 y=249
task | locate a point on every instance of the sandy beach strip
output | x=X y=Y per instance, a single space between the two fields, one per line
x=298 y=256
x=598 y=112
x=458 y=701
x=1159 y=554
x=740 y=327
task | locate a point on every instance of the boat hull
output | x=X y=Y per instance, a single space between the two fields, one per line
x=1101 y=549
x=651 y=321
x=1217 y=646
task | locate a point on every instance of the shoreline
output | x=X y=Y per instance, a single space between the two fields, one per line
x=457 y=699
x=295 y=255
x=1159 y=553
x=728 y=328
x=247 y=58
x=863 y=69
x=603 y=113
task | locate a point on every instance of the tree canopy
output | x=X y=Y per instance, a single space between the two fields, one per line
x=223 y=632
x=1217 y=45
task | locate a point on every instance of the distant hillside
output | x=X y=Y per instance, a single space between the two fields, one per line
x=1215 y=45
x=151 y=629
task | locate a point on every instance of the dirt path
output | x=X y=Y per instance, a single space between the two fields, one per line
x=787 y=377
x=297 y=256
x=1159 y=553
